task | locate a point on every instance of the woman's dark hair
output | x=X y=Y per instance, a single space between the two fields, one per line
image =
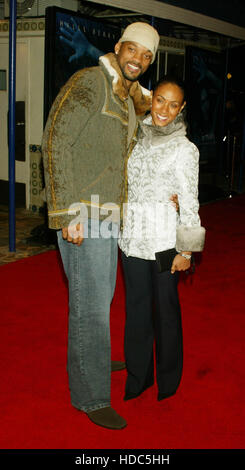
x=174 y=80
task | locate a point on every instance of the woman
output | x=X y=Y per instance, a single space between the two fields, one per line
x=163 y=162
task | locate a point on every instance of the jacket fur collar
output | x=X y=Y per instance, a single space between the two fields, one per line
x=141 y=96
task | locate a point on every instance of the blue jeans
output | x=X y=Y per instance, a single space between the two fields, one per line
x=91 y=272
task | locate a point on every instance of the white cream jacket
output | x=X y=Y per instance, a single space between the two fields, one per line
x=164 y=162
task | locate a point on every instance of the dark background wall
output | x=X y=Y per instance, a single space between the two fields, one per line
x=232 y=11
x=235 y=67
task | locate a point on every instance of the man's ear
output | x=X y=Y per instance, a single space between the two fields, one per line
x=117 y=47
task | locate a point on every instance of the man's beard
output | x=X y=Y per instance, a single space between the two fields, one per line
x=130 y=78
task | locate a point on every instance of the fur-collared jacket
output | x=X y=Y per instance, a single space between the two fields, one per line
x=85 y=141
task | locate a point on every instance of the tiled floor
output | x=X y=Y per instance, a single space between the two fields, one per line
x=31 y=234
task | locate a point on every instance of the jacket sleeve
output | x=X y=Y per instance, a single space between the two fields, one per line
x=190 y=236
x=69 y=114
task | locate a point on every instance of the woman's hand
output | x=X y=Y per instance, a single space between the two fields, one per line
x=180 y=264
x=175 y=201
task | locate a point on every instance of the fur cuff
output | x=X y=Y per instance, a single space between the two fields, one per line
x=190 y=238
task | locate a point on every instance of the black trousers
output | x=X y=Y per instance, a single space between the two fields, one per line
x=152 y=315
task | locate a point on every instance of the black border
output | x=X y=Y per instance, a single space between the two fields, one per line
x=116 y=457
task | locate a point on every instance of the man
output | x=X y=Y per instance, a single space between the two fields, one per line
x=89 y=133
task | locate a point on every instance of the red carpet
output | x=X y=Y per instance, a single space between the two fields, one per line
x=208 y=410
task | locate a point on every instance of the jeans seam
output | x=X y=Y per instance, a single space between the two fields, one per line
x=80 y=335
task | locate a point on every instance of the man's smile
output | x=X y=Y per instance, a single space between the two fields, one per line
x=133 y=67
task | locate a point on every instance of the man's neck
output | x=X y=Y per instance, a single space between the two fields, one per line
x=128 y=84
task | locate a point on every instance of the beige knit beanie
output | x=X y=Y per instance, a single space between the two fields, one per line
x=144 y=34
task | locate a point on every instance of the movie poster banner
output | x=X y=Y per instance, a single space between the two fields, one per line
x=205 y=78
x=72 y=42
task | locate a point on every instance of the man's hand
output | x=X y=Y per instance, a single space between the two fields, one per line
x=180 y=264
x=73 y=37
x=73 y=234
x=174 y=199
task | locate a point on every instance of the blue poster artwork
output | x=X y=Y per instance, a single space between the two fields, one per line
x=72 y=42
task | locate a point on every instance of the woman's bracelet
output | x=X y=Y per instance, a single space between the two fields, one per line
x=185 y=256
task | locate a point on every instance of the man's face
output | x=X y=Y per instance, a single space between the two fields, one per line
x=133 y=59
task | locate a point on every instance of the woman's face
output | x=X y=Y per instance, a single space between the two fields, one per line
x=167 y=102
